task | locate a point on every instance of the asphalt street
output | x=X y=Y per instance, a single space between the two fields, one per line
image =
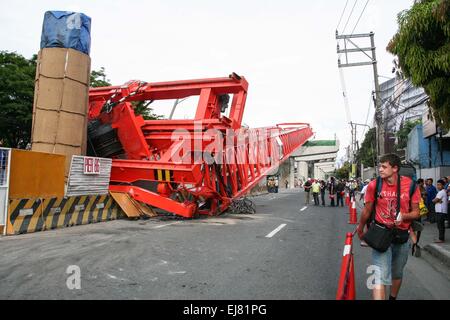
x=285 y=251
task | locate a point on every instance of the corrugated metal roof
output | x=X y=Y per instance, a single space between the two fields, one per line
x=88 y=184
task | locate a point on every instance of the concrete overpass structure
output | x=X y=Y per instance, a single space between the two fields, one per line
x=315 y=159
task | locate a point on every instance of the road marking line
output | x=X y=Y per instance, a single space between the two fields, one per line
x=303 y=209
x=176 y=272
x=165 y=225
x=281 y=226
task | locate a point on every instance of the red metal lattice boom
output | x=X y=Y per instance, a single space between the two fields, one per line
x=197 y=166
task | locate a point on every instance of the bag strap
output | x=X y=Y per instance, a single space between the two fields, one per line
x=398 y=195
x=412 y=189
x=377 y=193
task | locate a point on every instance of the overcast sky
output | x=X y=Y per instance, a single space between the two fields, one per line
x=285 y=49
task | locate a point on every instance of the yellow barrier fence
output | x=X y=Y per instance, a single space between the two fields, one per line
x=39 y=214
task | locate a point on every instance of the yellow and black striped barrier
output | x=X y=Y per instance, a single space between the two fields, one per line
x=163 y=175
x=39 y=214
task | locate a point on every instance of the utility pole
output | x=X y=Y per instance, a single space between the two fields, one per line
x=178 y=101
x=372 y=61
x=356 y=145
x=378 y=112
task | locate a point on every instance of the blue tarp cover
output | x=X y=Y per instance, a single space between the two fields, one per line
x=66 y=29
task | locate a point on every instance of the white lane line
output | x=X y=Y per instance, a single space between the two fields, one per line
x=303 y=209
x=165 y=225
x=281 y=226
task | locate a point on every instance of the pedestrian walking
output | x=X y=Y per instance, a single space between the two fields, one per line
x=388 y=198
x=307 y=186
x=431 y=194
x=323 y=188
x=447 y=189
x=352 y=189
x=363 y=191
x=316 y=190
x=416 y=226
x=340 y=193
x=332 y=191
x=286 y=183
x=441 y=202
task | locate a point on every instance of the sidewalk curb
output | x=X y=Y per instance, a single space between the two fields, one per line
x=439 y=252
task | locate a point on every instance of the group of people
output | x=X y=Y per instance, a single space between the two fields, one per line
x=436 y=199
x=336 y=190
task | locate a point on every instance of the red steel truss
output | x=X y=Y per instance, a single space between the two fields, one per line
x=196 y=166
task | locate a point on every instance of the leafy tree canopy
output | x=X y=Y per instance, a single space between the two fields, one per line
x=402 y=134
x=422 y=45
x=16 y=98
x=98 y=78
x=344 y=171
x=366 y=153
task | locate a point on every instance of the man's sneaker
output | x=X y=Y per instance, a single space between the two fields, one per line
x=364 y=244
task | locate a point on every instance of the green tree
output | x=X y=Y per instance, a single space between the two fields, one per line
x=422 y=45
x=402 y=134
x=366 y=153
x=142 y=108
x=98 y=78
x=344 y=171
x=16 y=98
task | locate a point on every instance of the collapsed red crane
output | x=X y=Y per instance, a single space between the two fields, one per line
x=186 y=167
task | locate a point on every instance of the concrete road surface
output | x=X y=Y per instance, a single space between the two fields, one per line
x=284 y=251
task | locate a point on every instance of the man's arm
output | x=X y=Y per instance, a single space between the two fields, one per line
x=413 y=214
x=365 y=216
x=437 y=199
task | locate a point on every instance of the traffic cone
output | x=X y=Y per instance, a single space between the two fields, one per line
x=346 y=286
x=347 y=199
x=353 y=213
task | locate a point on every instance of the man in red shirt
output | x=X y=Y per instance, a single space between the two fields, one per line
x=390 y=264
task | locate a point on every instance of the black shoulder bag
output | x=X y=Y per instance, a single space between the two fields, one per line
x=380 y=237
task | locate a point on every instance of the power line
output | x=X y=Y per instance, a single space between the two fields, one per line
x=344 y=93
x=360 y=16
x=416 y=104
x=367 y=118
x=350 y=15
x=395 y=91
x=342 y=14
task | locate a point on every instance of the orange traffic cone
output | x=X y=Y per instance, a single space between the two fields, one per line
x=347 y=199
x=346 y=285
x=353 y=213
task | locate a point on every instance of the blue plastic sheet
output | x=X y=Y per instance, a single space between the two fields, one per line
x=66 y=29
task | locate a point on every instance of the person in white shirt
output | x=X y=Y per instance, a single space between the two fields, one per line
x=364 y=189
x=441 y=203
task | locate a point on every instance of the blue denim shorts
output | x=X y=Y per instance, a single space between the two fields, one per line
x=390 y=264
